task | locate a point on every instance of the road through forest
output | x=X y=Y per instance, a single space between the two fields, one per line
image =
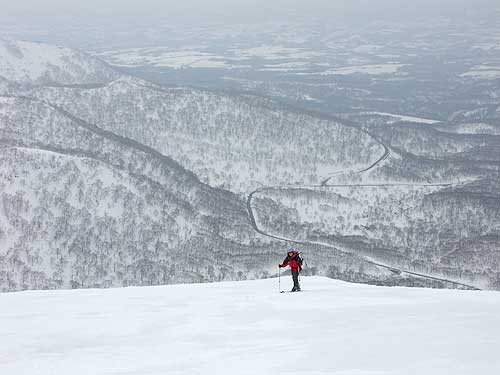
x=325 y=185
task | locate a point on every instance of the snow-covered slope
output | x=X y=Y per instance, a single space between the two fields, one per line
x=236 y=142
x=394 y=225
x=80 y=207
x=249 y=328
x=41 y=63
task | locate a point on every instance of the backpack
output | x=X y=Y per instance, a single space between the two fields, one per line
x=299 y=260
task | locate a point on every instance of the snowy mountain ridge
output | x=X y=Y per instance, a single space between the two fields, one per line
x=39 y=63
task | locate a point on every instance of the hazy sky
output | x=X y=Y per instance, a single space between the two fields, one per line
x=242 y=10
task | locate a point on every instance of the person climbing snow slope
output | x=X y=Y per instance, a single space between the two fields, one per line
x=295 y=262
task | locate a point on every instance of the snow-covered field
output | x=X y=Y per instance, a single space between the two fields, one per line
x=249 y=328
x=192 y=57
x=275 y=52
x=163 y=57
x=483 y=72
x=366 y=69
x=403 y=118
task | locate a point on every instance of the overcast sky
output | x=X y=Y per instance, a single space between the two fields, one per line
x=243 y=10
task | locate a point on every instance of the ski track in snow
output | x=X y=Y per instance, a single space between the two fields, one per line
x=247 y=327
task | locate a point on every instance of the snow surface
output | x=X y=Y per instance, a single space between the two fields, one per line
x=41 y=63
x=286 y=67
x=403 y=118
x=375 y=69
x=194 y=57
x=483 y=72
x=163 y=57
x=275 y=52
x=249 y=328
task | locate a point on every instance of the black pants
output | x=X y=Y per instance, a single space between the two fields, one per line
x=295 y=277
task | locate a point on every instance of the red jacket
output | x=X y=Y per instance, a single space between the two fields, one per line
x=293 y=261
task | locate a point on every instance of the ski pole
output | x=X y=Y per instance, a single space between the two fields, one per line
x=279 y=278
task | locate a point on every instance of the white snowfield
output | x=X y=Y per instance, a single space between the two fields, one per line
x=403 y=118
x=249 y=328
x=483 y=72
x=40 y=63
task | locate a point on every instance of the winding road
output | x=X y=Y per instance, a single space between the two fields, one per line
x=324 y=185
